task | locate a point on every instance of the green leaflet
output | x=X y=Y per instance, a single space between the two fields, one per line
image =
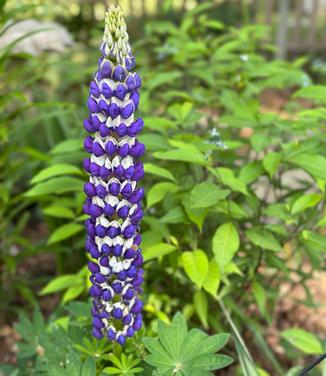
x=179 y=351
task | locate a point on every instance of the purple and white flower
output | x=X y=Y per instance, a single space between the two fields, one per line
x=114 y=197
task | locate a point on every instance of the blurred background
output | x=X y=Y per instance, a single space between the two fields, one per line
x=237 y=80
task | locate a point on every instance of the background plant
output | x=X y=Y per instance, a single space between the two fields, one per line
x=234 y=195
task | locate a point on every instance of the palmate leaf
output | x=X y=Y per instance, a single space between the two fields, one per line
x=181 y=352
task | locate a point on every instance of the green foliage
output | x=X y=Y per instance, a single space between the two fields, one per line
x=301 y=339
x=181 y=352
x=234 y=197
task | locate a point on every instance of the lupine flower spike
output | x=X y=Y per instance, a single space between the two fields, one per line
x=113 y=200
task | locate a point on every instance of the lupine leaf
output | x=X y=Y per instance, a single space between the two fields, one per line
x=89 y=367
x=180 y=352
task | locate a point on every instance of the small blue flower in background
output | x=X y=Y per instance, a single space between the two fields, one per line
x=114 y=198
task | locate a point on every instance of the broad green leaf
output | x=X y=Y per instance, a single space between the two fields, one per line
x=59 y=212
x=232 y=268
x=232 y=209
x=259 y=141
x=242 y=109
x=158 y=171
x=154 y=142
x=159 y=124
x=158 y=250
x=67 y=146
x=278 y=211
x=303 y=340
x=263 y=239
x=162 y=78
x=158 y=192
x=64 y=232
x=175 y=215
x=226 y=177
x=213 y=278
x=55 y=170
x=55 y=185
x=158 y=228
x=186 y=146
x=315 y=241
x=195 y=264
x=271 y=162
x=260 y=296
x=318 y=113
x=305 y=202
x=315 y=92
x=197 y=215
x=186 y=108
x=182 y=156
x=73 y=292
x=62 y=282
x=225 y=244
x=313 y=164
x=201 y=307
x=251 y=171
x=206 y=194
